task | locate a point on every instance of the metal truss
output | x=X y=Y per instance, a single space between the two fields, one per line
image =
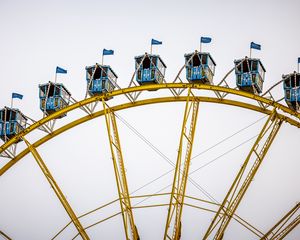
x=284 y=226
x=241 y=183
x=246 y=100
x=117 y=157
x=182 y=169
x=57 y=190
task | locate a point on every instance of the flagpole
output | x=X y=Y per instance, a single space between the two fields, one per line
x=250 y=51
x=151 y=49
x=12 y=102
x=102 y=59
x=55 y=77
x=200 y=46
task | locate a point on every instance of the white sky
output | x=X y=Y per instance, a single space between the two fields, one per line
x=37 y=36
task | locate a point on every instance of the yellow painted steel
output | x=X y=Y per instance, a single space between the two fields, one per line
x=181 y=175
x=122 y=107
x=286 y=114
x=152 y=87
x=57 y=190
x=2 y=234
x=117 y=157
x=239 y=188
x=281 y=229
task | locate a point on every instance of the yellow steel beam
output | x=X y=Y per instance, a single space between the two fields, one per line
x=173 y=222
x=118 y=163
x=2 y=234
x=57 y=190
x=126 y=106
x=240 y=184
x=284 y=226
x=124 y=91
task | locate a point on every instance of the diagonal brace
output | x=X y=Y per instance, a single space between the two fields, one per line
x=57 y=190
x=173 y=222
x=243 y=179
x=118 y=164
x=282 y=228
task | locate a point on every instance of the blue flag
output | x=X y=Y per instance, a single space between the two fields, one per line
x=107 y=52
x=60 y=70
x=17 y=95
x=298 y=59
x=155 y=42
x=255 y=46
x=205 y=40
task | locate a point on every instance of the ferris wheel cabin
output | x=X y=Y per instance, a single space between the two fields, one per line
x=200 y=67
x=150 y=69
x=100 y=79
x=53 y=97
x=12 y=122
x=250 y=74
x=291 y=86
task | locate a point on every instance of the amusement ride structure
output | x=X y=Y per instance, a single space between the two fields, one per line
x=193 y=85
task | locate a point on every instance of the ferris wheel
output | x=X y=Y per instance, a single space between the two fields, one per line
x=193 y=86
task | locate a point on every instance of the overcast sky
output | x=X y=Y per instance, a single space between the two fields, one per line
x=37 y=36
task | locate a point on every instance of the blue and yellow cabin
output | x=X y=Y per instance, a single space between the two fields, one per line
x=100 y=79
x=250 y=74
x=200 y=67
x=291 y=86
x=150 y=69
x=53 y=97
x=12 y=122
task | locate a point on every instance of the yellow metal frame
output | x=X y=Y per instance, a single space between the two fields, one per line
x=259 y=104
x=120 y=174
x=57 y=190
x=181 y=175
x=239 y=187
x=281 y=229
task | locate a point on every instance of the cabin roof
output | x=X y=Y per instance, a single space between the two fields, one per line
x=289 y=75
x=187 y=55
x=99 y=65
x=251 y=59
x=14 y=110
x=59 y=84
x=151 y=55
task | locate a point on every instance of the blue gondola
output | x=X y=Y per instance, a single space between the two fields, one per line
x=150 y=69
x=200 y=67
x=100 y=79
x=291 y=86
x=53 y=97
x=12 y=122
x=250 y=74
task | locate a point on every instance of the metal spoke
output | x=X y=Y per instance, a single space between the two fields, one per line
x=181 y=175
x=282 y=228
x=117 y=157
x=239 y=187
x=57 y=190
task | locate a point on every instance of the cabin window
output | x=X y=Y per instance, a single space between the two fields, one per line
x=254 y=66
x=196 y=60
x=146 y=63
x=154 y=61
x=288 y=94
x=54 y=90
x=288 y=82
x=204 y=59
x=97 y=73
x=11 y=127
x=211 y=65
x=245 y=66
x=295 y=81
x=238 y=67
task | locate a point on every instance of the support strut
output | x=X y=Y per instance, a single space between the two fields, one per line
x=173 y=223
x=118 y=163
x=284 y=226
x=241 y=183
x=57 y=190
